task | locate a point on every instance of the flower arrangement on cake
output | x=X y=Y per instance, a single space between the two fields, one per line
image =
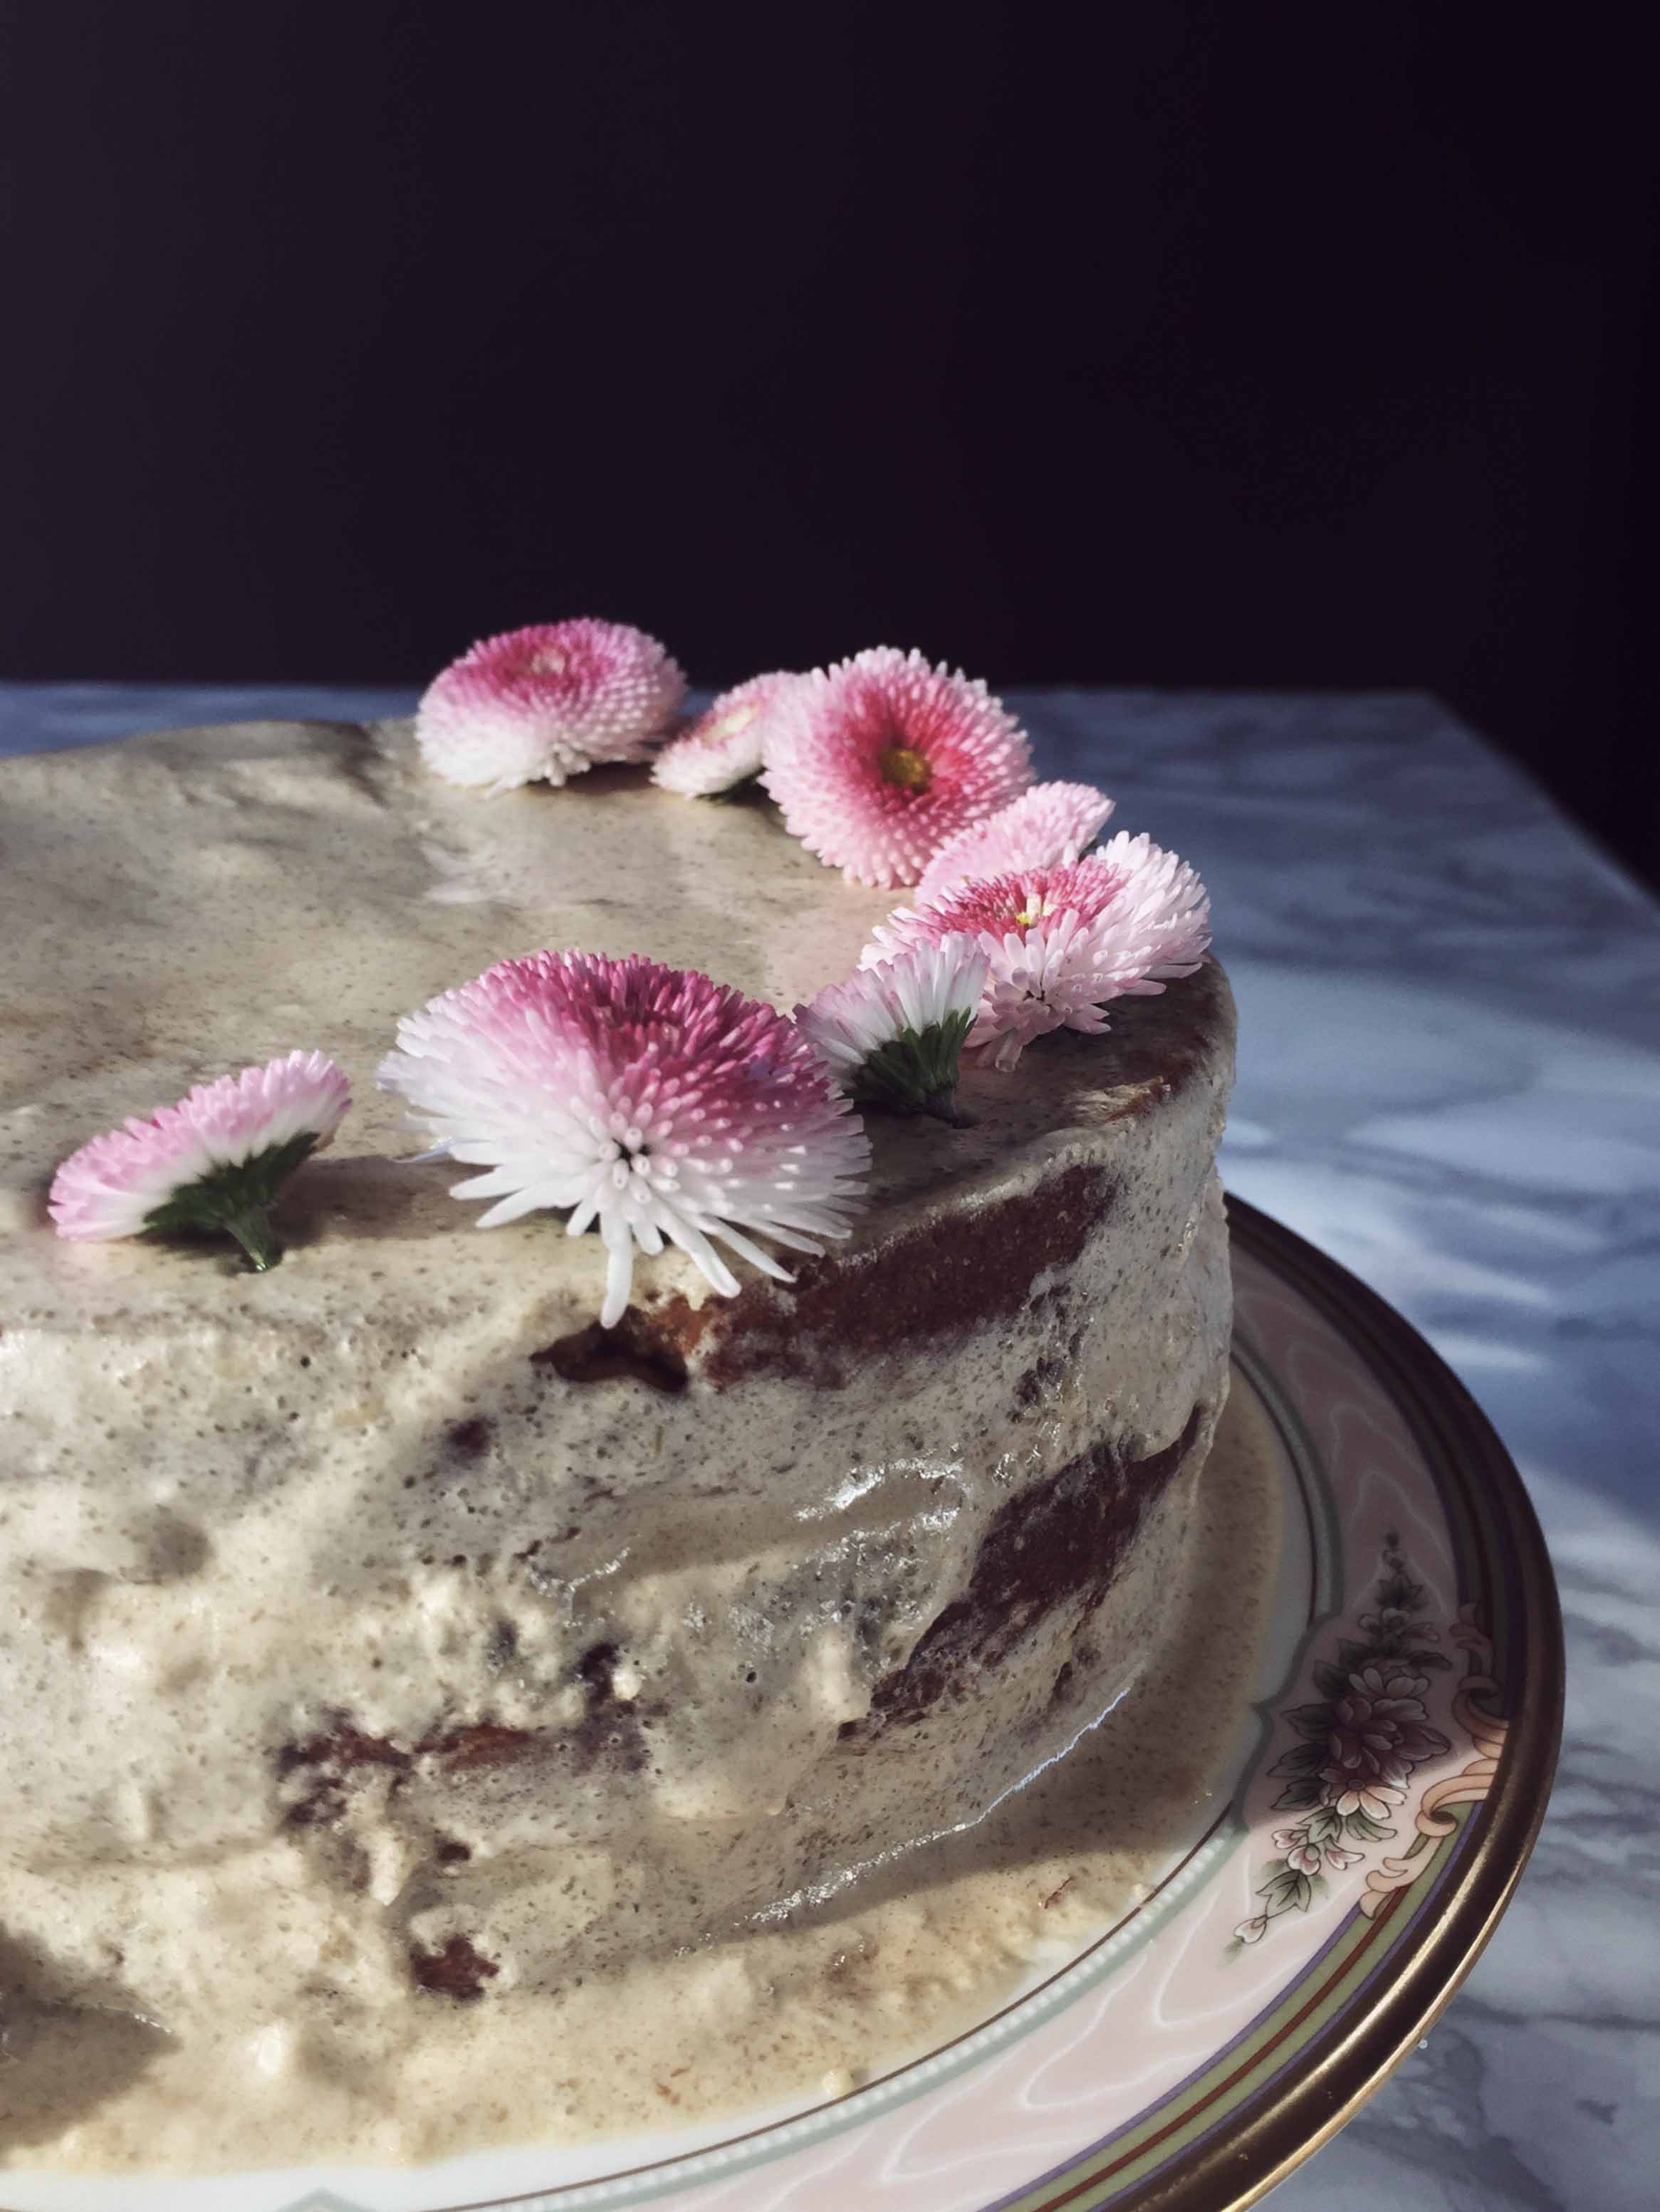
x=655 y=1105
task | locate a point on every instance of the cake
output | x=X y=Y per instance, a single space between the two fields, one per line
x=381 y=1632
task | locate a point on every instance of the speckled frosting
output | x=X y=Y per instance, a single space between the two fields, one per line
x=379 y=1631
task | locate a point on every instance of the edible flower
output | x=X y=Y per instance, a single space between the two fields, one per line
x=724 y=747
x=1062 y=943
x=547 y=702
x=215 y=1161
x=647 y=1101
x=892 y=1034
x=875 y=762
x=1047 y=827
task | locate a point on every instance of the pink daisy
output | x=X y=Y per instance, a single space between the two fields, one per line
x=892 y=1033
x=1046 y=827
x=648 y=1100
x=877 y=761
x=548 y=702
x=724 y=747
x=1062 y=942
x=214 y=1161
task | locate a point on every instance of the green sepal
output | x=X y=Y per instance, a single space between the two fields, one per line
x=235 y=1201
x=916 y=1072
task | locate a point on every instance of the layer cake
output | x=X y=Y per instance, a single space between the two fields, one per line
x=380 y=1630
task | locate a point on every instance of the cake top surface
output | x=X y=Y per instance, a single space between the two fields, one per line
x=178 y=905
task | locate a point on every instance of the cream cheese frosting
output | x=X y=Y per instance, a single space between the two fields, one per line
x=363 y=1627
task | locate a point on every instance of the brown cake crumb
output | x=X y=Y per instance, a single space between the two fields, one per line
x=458 y=1971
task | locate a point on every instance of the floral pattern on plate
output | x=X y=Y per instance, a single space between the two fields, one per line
x=1358 y=1745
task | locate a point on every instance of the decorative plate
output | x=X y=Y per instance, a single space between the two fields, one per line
x=1391 y=1779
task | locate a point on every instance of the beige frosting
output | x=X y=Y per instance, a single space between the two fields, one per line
x=239 y=1515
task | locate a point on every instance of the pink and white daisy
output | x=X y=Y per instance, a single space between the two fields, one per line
x=877 y=761
x=726 y=746
x=892 y=1034
x=547 y=702
x=645 y=1099
x=1047 y=827
x=1063 y=942
x=215 y=1161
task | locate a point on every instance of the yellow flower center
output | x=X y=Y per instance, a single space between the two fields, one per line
x=909 y=770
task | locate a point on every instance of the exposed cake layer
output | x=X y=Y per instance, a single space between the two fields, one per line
x=802 y=2008
x=370 y=1582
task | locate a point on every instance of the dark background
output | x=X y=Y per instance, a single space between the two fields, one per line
x=1160 y=344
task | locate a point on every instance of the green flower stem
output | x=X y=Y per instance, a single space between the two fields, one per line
x=252 y=1231
x=942 y=1104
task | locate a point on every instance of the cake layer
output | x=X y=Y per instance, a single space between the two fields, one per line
x=367 y=1584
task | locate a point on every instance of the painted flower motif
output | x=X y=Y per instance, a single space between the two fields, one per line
x=1357 y=1746
x=214 y=1161
x=1298 y=1852
x=1063 y=942
x=1346 y=1793
x=1393 y=1624
x=547 y=702
x=1049 y=826
x=877 y=761
x=892 y=1033
x=1252 y=1930
x=1381 y=1730
x=647 y=1101
x=726 y=746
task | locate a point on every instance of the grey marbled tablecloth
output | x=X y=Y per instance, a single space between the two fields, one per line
x=1450 y=1079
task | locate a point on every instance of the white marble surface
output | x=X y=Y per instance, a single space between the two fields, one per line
x=1450 y=1079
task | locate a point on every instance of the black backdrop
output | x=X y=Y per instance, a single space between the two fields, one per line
x=1218 y=345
